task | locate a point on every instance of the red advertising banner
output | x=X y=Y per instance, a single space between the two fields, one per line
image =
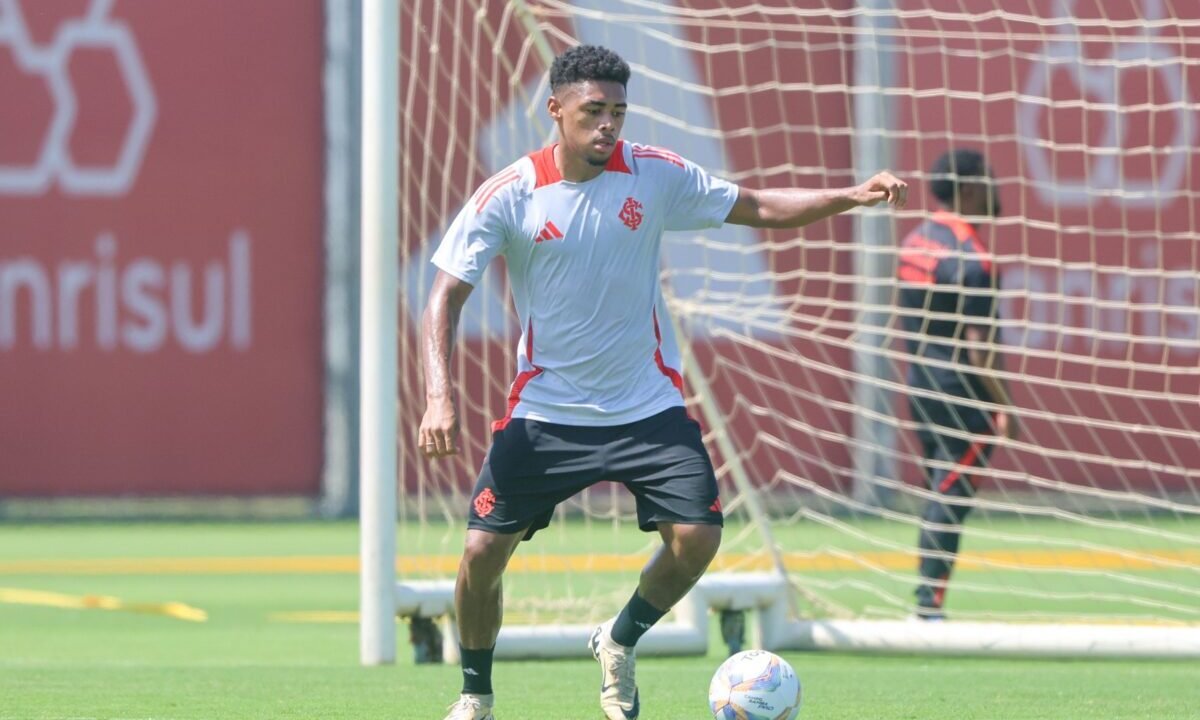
x=160 y=248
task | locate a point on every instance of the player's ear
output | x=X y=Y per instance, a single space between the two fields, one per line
x=554 y=107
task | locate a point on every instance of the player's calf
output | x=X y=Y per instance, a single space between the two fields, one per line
x=686 y=553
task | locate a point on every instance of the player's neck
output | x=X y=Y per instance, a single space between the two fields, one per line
x=959 y=216
x=574 y=168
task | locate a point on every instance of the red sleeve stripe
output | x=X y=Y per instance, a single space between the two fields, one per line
x=659 y=155
x=502 y=175
x=911 y=274
x=491 y=187
x=654 y=149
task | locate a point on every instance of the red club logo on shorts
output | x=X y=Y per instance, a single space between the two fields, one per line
x=716 y=506
x=631 y=213
x=485 y=502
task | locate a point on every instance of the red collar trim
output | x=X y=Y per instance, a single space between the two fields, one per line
x=962 y=229
x=546 y=171
x=616 y=161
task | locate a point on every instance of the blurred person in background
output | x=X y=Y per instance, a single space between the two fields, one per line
x=947 y=310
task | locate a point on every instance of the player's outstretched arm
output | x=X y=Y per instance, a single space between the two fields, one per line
x=796 y=207
x=438 y=435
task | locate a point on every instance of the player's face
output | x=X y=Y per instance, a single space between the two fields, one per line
x=590 y=116
x=981 y=199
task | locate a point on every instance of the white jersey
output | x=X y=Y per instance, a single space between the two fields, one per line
x=583 y=262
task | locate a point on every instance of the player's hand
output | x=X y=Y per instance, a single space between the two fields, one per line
x=438 y=436
x=1007 y=425
x=883 y=187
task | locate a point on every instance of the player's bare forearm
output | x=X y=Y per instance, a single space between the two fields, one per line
x=991 y=379
x=797 y=207
x=438 y=329
x=438 y=434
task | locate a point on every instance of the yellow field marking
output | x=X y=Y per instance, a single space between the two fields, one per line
x=183 y=566
x=603 y=562
x=315 y=616
x=178 y=610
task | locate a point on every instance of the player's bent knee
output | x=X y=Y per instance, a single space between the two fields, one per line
x=486 y=552
x=696 y=546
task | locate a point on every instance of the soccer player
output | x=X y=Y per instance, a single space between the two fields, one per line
x=947 y=306
x=598 y=392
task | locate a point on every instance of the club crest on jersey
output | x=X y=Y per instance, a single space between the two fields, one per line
x=631 y=213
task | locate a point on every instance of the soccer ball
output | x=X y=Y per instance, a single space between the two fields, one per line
x=754 y=685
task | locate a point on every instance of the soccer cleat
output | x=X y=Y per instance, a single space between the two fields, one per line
x=472 y=707
x=928 y=614
x=618 y=689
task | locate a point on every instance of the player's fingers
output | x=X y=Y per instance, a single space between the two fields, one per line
x=423 y=443
x=901 y=193
x=874 y=197
x=890 y=184
x=429 y=444
x=445 y=443
x=437 y=446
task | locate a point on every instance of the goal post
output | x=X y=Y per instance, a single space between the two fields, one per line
x=1086 y=526
x=378 y=350
x=874 y=70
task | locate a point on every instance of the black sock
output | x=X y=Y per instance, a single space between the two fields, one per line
x=635 y=619
x=477 y=670
x=938 y=549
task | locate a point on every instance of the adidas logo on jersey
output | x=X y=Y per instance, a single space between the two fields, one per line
x=550 y=232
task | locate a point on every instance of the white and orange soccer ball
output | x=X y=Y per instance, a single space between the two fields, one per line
x=754 y=685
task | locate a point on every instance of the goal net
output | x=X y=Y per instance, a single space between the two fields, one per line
x=1086 y=110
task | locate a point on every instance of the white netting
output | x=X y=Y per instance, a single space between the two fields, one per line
x=1087 y=112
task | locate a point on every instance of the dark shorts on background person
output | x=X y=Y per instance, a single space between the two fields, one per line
x=951 y=454
x=532 y=466
x=957 y=414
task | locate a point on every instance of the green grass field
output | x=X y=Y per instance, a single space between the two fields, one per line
x=246 y=661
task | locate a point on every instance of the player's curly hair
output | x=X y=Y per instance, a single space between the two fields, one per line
x=588 y=62
x=952 y=168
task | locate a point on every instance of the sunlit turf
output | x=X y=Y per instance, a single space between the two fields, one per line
x=244 y=663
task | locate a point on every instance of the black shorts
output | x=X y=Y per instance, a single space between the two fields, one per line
x=949 y=411
x=532 y=466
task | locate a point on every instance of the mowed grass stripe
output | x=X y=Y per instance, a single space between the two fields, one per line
x=604 y=562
